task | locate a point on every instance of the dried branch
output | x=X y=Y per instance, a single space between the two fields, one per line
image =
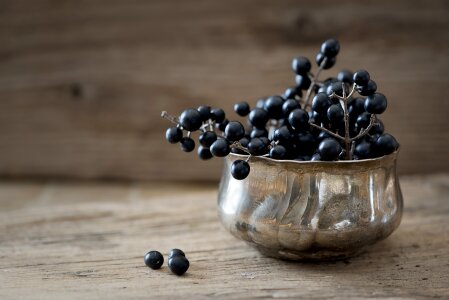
x=327 y=131
x=364 y=132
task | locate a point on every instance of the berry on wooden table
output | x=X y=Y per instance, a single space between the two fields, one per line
x=178 y=264
x=154 y=260
x=175 y=252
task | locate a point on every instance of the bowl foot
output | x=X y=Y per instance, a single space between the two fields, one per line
x=311 y=255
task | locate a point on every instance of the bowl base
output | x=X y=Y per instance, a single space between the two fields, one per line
x=319 y=255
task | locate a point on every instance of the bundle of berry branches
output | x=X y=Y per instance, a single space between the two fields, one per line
x=329 y=120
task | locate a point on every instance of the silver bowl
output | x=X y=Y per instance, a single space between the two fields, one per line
x=311 y=210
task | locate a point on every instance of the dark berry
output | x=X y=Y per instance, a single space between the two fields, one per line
x=363 y=149
x=386 y=144
x=278 y=152
x=176 y=252
x=257 y=147
x=356 y=107
x=282 y=135
x=363 y=120
x=222 y=125
x=330 y=61
x=321 y=103
x=173 y=135
x=207 y=138
x=319 y=119
x=290 y=105
x=376 y=103
x=258 y=117
x=329 y=149
x=273 y=105
x=190 y=119
x=204 y=153
x=187 y=144
x=323 y=135
x=316 y=157
x=292 y=93
x=220 y=148
x=178 y=264
x=154 y=260
x=234 y=131
x=377 y=128
x=330 y=48
x=345 y=76
x=335 y=114
x=265 y=140
x=306 y=144
x=302 y=82
x=298 y=119
x=240 y=169
x=337 y=89
x=204 y=112
x=361 y=77
x=256 y=132
x=301 y=65
x=218 y=115
x=260 y=103
x=242 y=109
x=368 y=89
x=244 y=142
x=322 y=89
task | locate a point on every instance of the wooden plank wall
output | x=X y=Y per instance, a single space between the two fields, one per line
x=82 y=83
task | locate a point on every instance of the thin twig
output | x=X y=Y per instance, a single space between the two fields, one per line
x=313 y=83
x=352 y=91
x=372 y=122
x=344 y=103
x=171 y=118
x=239 y=146
x=327 y=131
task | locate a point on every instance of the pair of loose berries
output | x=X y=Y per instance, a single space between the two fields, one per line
x=177 y=261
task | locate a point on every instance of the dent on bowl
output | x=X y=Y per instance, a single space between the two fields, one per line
x=311 y=210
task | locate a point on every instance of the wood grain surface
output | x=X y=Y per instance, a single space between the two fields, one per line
x=87 y=241
x=82 y=83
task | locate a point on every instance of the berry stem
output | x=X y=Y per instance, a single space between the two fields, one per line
x=327 y=131
x=344 y=104
x=239 y=146
x=364 y=132
x=352 y=91
x=169 y=117
x=313 y=83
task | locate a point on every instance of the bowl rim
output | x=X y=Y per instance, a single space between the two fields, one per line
x=392 y=155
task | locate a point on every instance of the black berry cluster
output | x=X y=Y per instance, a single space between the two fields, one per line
x=177 y=261
x=316 y=120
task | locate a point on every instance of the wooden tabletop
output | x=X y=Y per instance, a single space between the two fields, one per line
x=87 y=241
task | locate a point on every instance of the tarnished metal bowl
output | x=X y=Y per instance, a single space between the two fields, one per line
x=311 y=210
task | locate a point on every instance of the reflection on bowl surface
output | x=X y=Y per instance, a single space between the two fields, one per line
x=311 y=210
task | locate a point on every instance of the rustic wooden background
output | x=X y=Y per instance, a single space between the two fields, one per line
x=82 y=83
